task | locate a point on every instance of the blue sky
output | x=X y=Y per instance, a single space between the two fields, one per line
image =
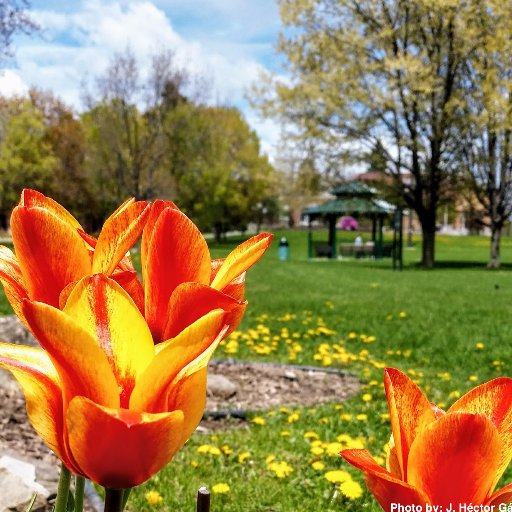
x=228 y=41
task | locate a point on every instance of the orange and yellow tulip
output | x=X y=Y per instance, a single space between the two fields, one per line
x=439 y=458
x=52 y=251
x=181 y=282
x=114 y=407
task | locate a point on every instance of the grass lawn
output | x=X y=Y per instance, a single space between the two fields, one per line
x=449 y=328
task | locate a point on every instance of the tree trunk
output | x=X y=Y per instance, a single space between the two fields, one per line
x=494 y=261
x=428 y=229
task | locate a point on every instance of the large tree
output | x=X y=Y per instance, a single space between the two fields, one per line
x=388 y=72
x=486 y=121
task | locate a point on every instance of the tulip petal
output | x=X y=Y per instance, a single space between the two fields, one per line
x=33 y=198
x=188 y=394
x=39 y=380
x=118 y=234
x=454 y=459
x=12 y=280
x=240 y=259
x=102 y=308
x=410 y=412
x=236 y=288
x=157 y=207
x=151 y=390
x=82 y=365
x=130 y=283
x=387 y=489
x=50 y=253
x=493 y=400
x=177 y=253
x=504 y=495
x=191 y=301
x=118 y=448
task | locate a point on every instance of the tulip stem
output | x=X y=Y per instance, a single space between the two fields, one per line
x=61 y=502
x=126 y=495
x=79 y=493
x=113 y=500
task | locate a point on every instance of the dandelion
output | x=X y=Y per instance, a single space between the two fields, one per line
x=351 y=489
x=243 y=457
x=362 y=417
x=367 y=397
x=317 y=465
x=472 y=378
x=293 y=417
x=402 y=314
x=153 y=498
x=337 y=476
x=258 y=420
x=281 y=469
x=220 y=488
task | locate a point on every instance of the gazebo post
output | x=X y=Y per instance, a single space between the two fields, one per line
x=332 y=235
x=310 y=238
x=374 y=227
x=380 y=239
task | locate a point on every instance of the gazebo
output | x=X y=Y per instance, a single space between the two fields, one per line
x=356 y=199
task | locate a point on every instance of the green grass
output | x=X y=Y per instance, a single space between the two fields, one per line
x=357 y=315
x=426 y=323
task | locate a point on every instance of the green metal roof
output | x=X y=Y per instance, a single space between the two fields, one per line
x=348 y=206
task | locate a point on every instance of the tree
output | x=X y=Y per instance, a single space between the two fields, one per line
x=486 y=121
x=13 y=18
x=387 y=72
x=219 y=173
x=125 y=123
x=26 y=157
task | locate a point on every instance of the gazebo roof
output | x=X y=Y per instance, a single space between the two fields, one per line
x=351 y=198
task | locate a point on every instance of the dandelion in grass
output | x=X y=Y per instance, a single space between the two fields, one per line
x=318 y=465
x=337 y=476
x=351 y=489
x=367 y=397
x=281 y=469
x=284 y=433
x=362 y=417
x=293 y=417
x=402 y=314
x=479 y=345
x=243 y=457
x=153 y=498
x=220 y=488
x=442 y=458
x=258 y=420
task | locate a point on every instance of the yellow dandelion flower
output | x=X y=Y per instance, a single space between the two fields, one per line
x=479 y=345
x=220 y=488
x=402 y=314
x=317 y=465
x=352 y=490
x=281 y=469
x=367 y=397
x=243 y=457
x=293 y=417
x=333 y=449
x=258 y=420
x=337 y=476
x=284 y=433
x=472 y=378
x=361 y=417
x=311 y=435
x=153 y=498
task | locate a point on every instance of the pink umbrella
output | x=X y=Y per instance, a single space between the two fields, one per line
x=348 y=223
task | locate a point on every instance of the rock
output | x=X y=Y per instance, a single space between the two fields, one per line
x=18 y=485
x=290 y=375
x=220 y=386
x=13 y=331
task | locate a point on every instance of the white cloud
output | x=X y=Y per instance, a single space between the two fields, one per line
x=11 y=84
x=78 y=44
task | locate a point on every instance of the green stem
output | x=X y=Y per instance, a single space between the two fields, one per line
x=126 y=495
x=61 y=501
x=79 y=493
x=113 y=500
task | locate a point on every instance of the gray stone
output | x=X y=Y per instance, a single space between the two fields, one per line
x=220 y=386
x=13 y=331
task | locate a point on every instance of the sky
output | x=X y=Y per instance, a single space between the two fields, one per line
x=227 y=41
